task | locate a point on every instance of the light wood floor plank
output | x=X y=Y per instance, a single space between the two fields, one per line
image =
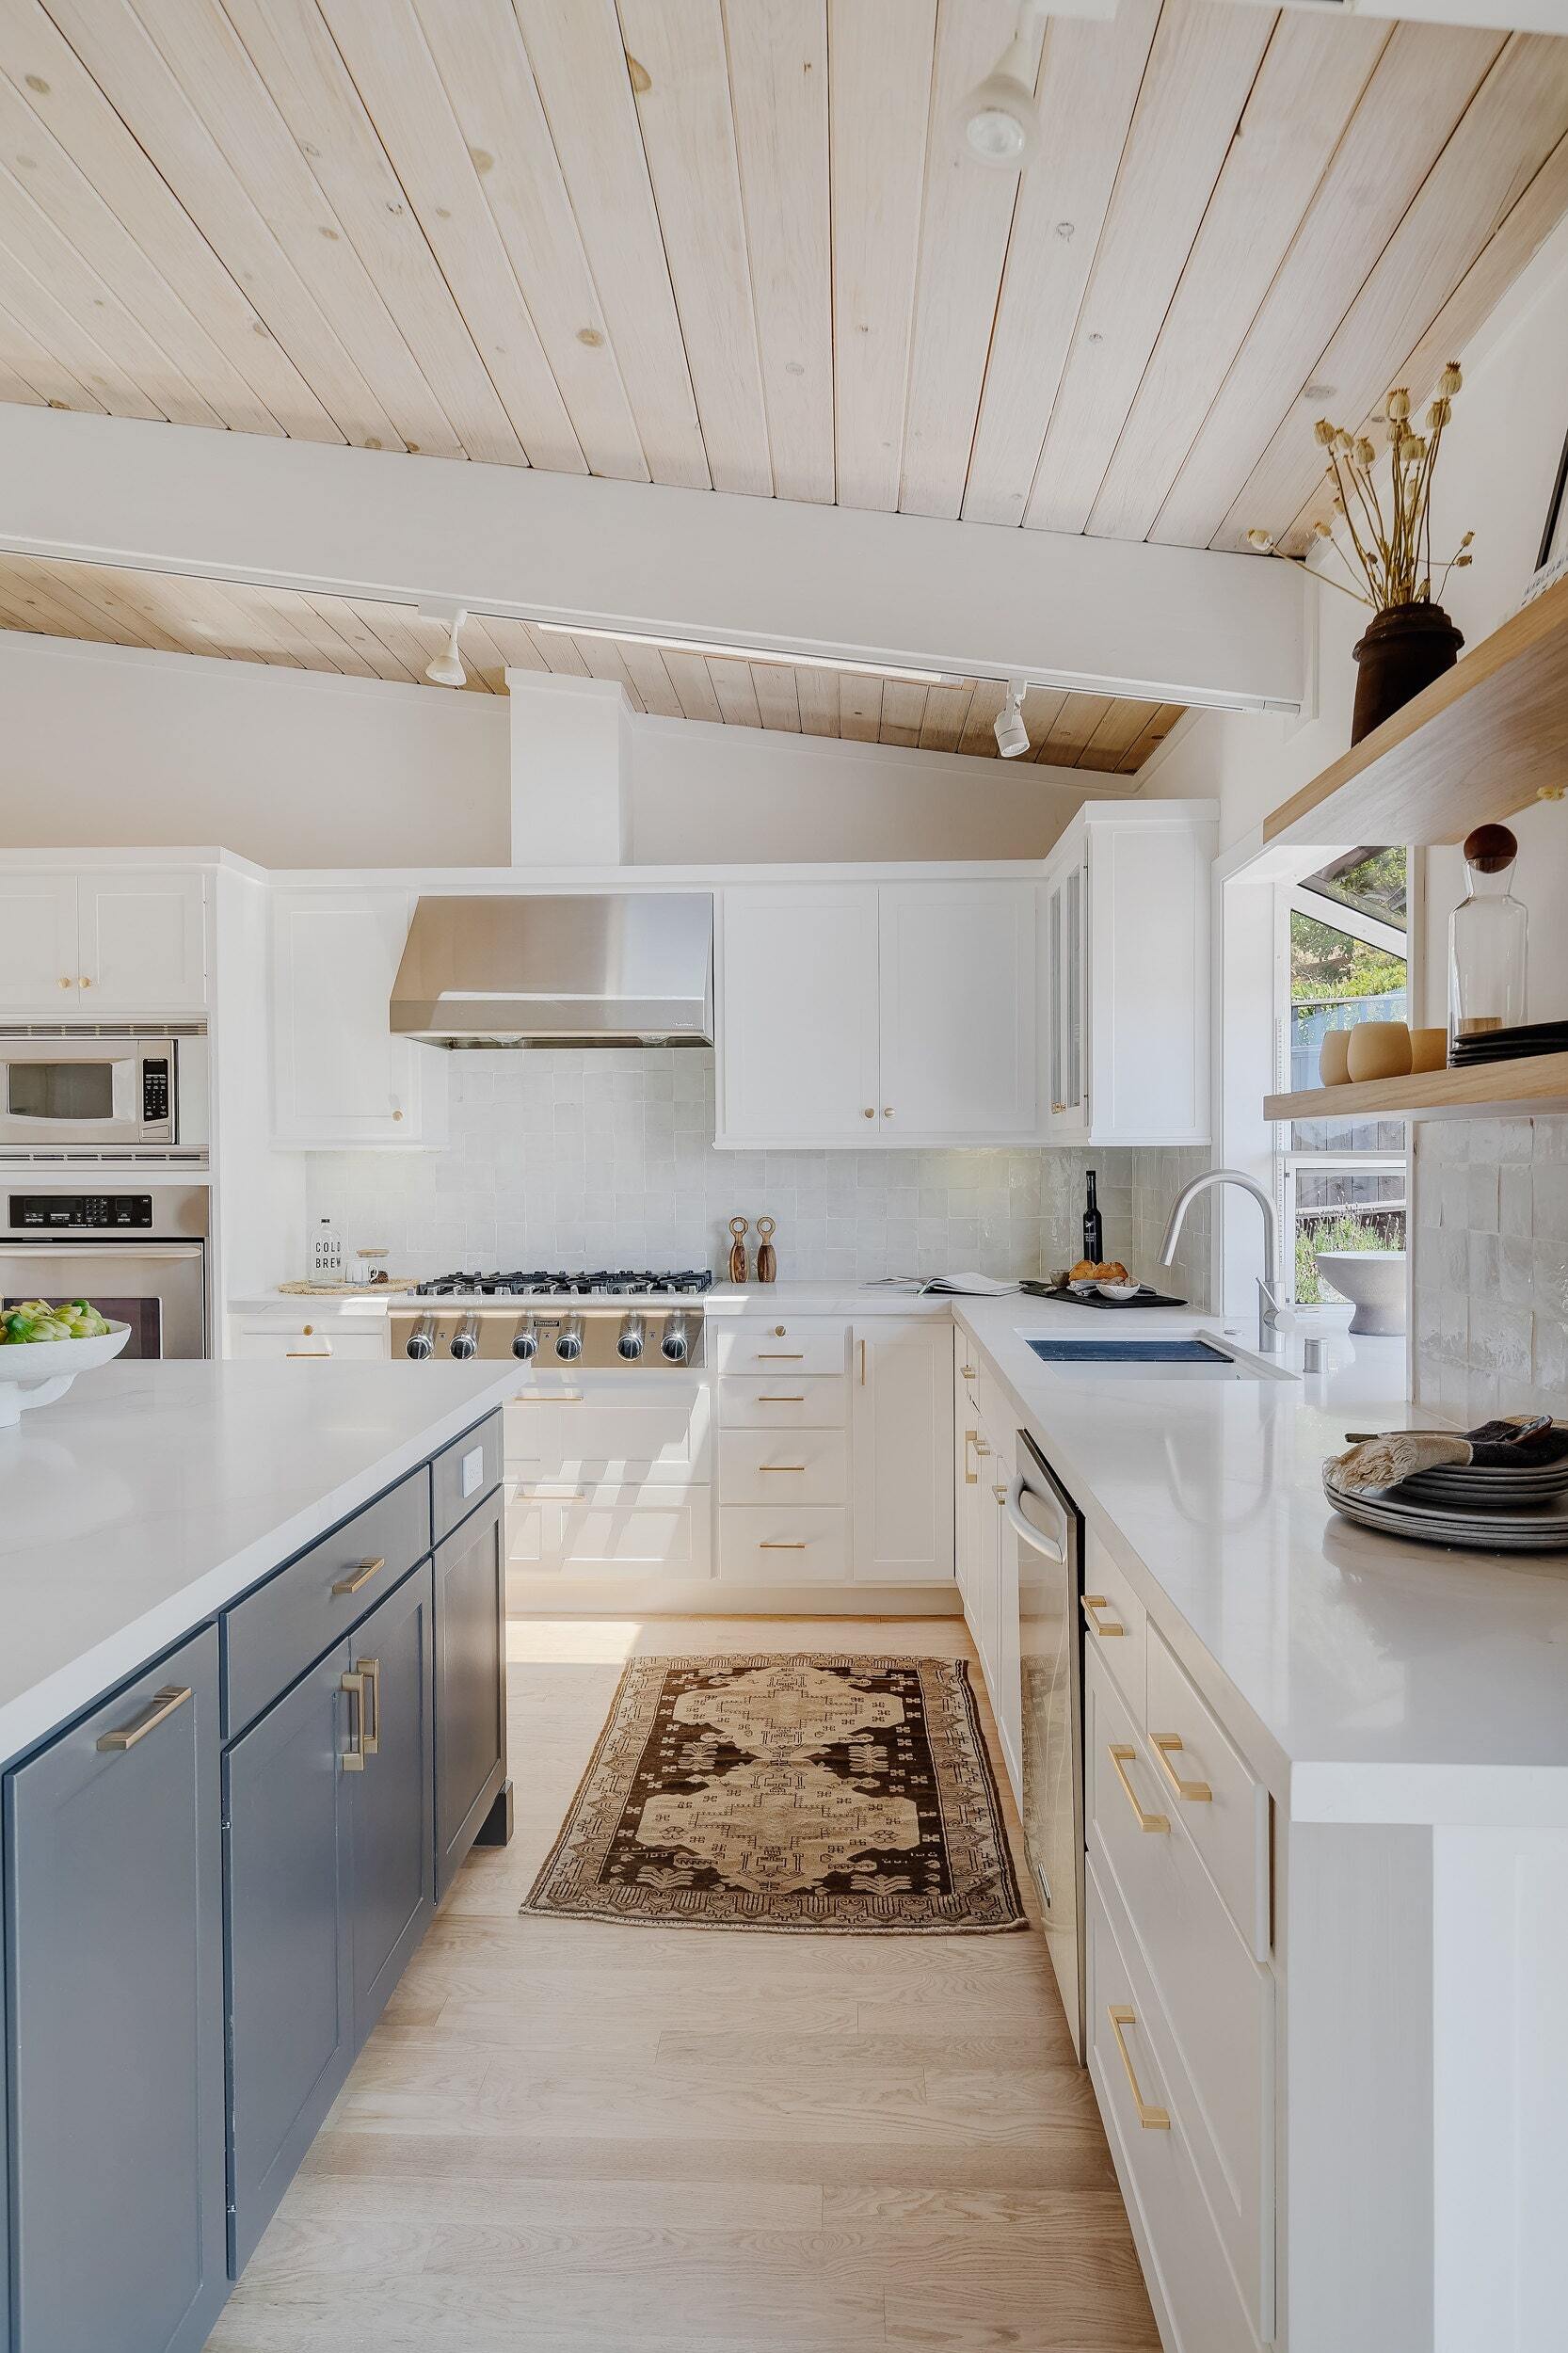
x=574 y=2137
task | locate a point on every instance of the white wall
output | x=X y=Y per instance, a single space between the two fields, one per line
x=105 y=746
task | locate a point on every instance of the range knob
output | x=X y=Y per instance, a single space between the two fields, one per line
x=420 y=1341
x=630 y=1343
x=677 y=1344
x=569 y=1340
x=465 y=1340
x=525 y=1339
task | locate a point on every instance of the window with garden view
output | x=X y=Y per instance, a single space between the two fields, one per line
x=1343 y=945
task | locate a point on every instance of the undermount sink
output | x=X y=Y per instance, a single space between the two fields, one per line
x=1199 y=1360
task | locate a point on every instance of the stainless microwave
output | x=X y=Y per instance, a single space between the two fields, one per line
x=88 y=1092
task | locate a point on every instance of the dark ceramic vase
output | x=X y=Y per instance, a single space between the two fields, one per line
x=1404 y=648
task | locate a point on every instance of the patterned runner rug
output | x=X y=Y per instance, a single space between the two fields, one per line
x=766 y=1790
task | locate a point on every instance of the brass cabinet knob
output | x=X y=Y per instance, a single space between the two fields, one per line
x=886 y=1110
x=397 y=1115
x=870 y=1112
x=84 y=982
x=65 y=980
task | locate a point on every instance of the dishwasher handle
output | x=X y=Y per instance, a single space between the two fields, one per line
x=1054 y=1550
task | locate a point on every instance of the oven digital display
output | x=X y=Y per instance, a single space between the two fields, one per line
x=47 y=1213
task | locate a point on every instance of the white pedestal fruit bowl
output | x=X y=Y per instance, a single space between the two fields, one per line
x=42 y=1370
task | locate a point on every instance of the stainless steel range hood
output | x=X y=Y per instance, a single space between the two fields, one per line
x=606 y=969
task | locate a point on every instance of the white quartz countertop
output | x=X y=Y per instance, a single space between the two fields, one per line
x=1367 y=1680
x=153 y=1494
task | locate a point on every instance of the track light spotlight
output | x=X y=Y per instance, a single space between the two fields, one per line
x=998 y=122
x=1008 y=725
x=446 y=669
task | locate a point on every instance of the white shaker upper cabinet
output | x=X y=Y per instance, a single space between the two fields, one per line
x=340 y=1077
x=113 y=942
x=38 y=943
x=1127 y=946
x=797 y=998
x=960 y=1011
x=142 y=943
x=880 y=1013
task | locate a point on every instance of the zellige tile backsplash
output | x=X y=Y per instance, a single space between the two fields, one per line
x=562 y=1158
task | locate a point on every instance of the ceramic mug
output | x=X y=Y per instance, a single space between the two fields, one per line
x=1334 y=1058
x=1378 y=1049
x=1429 y=1049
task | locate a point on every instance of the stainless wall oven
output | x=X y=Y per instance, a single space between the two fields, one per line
x=1049 y=1528
x=140 y=1258
x=96 y=1091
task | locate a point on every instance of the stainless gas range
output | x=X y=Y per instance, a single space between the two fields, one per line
x=623 y=1321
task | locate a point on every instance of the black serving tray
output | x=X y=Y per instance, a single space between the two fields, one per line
x=1145 y=1298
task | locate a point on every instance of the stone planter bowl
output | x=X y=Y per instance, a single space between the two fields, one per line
x=1372 y=1281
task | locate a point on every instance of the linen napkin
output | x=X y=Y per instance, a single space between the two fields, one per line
x=1519 y=1442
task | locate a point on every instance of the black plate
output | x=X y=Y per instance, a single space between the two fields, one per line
x=1145 y=1298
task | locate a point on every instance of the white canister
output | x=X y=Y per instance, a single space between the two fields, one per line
x=325 y=1253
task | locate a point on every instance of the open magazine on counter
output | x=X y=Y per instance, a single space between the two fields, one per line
x=954 y=1286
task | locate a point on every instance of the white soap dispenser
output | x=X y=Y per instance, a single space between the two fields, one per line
x=325 y=1251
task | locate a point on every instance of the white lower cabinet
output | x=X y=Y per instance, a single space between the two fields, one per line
x=986 y=1566
x=623 y=1528
x=901 y=1387
x=1189 y=2286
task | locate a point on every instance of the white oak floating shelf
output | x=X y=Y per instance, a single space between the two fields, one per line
x=1494 y=1090
x=1483 y=741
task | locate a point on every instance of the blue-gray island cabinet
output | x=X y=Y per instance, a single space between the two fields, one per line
x=214 y=1876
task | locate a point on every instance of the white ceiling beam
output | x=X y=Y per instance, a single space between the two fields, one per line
x=1173 y=624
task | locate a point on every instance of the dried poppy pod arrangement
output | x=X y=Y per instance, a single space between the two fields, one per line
x=1388 y=566
x=1392 y=551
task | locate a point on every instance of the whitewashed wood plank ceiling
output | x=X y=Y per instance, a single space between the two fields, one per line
x=737 y=244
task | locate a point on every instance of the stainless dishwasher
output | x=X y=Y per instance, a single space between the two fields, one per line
x=1049 y=1529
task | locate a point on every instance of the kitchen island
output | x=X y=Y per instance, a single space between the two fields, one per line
x=252 y=1715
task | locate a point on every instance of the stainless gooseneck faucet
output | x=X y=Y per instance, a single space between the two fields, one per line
x=1269 y=1301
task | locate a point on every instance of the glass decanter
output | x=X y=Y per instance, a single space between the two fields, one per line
x=1487 y=940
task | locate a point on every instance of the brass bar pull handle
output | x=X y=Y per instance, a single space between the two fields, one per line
x=321 y=1352
x=1121 y=1756
x=1166 y=1745
x=547 y=1396
x=781 y=1355
x=158 y=1710
x=968 y=1371
x=862 y=1364
x=770 y=1543
x=354 y=1755
x=782 y=1400
x=1001 y=1493
x=782 y=1466
x=972 y=1438
x=1098 y=1601
x=1152 y=2119
x=371 y=1670
x=361 y=1576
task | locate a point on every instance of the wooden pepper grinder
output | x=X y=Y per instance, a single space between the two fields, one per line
x=767 y=1258
x=740 y=1227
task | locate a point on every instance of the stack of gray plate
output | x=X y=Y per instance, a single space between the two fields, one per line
x=1482 y=1508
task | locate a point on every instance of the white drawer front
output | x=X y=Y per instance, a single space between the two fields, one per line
x=354 y=1348
x=1216 y=2005
x=1116 y=1624
x=1189 y=2283
x=1230 y=1827
x=784 y=1546
x=649 y=1427
x=784 y=1400
x=608 y=1529
x=753 y=1344
x=793 y=1466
